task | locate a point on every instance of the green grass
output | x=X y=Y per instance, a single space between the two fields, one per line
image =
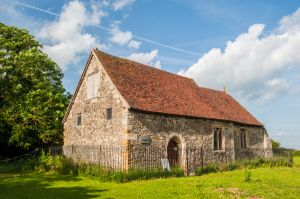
x=282 y=182
x=297 y=161
x=277 y=182
x=296 y=152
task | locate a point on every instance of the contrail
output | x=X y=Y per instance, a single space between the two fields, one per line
x=164 y=45
x=109 y=30
x=35 y=8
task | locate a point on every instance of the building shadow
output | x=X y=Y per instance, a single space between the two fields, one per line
x=29 y=187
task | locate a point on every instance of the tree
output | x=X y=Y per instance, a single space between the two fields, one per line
x=32 y=98
x=275 y=144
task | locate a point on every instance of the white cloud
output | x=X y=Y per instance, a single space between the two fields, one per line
x=290 y=22
x=252 y=66
x=275 y=87
x=120 y=4
x=146 y=58
x=122 y=38
x=157 y=64
x=119 y=37
x=66 y=36
x=134 y=44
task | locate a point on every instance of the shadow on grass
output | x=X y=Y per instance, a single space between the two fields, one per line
x=38 y=186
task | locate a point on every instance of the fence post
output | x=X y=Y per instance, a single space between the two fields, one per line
x=72 y=149
x=248 y=156
x=201 y=155
x=290 y=157
x=194 y=159
x=187 y=162
x=99 y=156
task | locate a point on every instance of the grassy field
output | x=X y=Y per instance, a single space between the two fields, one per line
x=280 y=182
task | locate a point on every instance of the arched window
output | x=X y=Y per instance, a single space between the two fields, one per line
x=243 y=139
x=218 y=139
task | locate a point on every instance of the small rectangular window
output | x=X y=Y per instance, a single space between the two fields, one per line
x=109 y=113
x=243 y=139
x=78 y=120
x=218 y=139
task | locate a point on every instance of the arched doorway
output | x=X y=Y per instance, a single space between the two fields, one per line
x=173 y=152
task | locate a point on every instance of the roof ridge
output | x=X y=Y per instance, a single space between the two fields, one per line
x=151 y=67
x=211 y=89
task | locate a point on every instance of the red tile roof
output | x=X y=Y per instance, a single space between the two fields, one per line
x=149 y=89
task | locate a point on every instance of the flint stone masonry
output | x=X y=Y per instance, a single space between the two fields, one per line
x=194 y=133
x=122 y=140
x=95 y=128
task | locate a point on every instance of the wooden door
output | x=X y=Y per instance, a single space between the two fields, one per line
x=173 y=153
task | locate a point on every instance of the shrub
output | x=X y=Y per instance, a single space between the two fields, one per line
x=280 y=161
x=57 y=164
x=210 y=168
x=233 y=166
x=103 y=174
x=252 y=164
x=176 y=172
x=93 y=171
x=246 y=164
x=260 y=162
x=275 y=144
x=145 y=174
x=48 y=163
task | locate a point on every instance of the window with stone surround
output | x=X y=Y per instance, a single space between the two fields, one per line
x=218 y=139
x=109 y=113
x=243 y=139
x=93 y=83
x=78 y=120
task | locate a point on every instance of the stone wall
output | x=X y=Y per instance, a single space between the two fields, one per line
x=96 y=129
x=193 y=134
x=255 y=142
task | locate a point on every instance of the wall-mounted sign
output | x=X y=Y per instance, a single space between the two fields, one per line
x=132 y=136
x=145 y=139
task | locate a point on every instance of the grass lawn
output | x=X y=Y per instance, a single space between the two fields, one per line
x=280 y=182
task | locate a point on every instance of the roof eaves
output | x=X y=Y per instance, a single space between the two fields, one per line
x=198 y=117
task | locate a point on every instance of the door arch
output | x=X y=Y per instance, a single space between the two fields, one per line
x=173 y=151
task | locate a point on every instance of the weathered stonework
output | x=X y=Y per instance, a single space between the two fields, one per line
x=95 y=128
x=117 y=142
x=194 y=133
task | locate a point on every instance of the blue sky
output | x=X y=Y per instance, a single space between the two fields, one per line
x=251 y=47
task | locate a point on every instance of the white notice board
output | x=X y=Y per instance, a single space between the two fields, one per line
x=165 y=164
